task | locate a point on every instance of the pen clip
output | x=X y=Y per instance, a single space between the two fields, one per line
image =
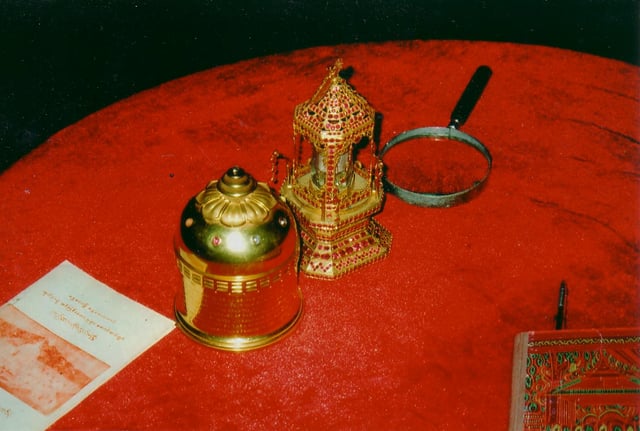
x=562 y=301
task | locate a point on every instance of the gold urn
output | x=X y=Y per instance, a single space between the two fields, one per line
x=237 y=250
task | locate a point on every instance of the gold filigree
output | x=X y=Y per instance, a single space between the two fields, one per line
x=334 y=195
x=336 y=115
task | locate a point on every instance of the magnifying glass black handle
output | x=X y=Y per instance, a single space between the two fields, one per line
x=470 y=96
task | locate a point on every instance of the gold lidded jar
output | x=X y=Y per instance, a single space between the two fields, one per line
x=237 y=250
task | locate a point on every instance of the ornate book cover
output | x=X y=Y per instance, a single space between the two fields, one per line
x=576 y=380
x=63 y=337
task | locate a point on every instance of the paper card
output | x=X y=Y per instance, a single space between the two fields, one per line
x=63 y=337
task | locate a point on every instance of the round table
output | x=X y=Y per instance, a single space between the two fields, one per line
x=420 y=340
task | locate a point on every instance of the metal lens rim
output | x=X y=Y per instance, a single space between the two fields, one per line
x=426 y=199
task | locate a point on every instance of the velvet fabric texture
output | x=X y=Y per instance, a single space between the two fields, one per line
x=420 y=340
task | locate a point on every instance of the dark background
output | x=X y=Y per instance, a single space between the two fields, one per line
x=61 y=60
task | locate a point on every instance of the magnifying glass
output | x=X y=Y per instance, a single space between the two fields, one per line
x=440 y=166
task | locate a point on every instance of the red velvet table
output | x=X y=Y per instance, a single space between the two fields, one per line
x=421 y=340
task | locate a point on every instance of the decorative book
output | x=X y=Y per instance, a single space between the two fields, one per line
x=576 y=380
x=63 y=337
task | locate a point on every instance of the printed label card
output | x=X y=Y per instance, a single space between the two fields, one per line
x=62 y=338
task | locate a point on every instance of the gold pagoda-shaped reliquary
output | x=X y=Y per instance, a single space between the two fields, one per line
x=334 y=181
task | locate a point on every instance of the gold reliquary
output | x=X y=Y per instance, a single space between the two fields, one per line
x=333 y=182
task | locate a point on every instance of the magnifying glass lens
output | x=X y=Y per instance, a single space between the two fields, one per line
x=434 y=165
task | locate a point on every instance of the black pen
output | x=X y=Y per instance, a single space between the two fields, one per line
x=562 y=298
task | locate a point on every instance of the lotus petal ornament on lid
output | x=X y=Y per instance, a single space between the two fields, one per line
x=333 y=193
x=237 y=251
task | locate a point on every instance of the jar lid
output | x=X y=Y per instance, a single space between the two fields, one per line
x=235 y=220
